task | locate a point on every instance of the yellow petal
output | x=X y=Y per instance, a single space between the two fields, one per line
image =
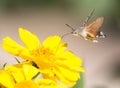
x=26 y=84
x=71 y=61
x=52 y=43
x=47 y=83
x=69 y=74
x=29 y=71
x=11 y=46
x=63 y=79
x=30 y=40
x=61 y=49
x=20 y=65
x=16 y=72
x=6 y=80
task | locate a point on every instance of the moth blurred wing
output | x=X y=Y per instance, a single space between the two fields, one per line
x=93 y=28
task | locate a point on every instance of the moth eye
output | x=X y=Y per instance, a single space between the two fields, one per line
x=74 y=32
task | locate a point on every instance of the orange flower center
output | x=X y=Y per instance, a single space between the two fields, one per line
x=44 y=57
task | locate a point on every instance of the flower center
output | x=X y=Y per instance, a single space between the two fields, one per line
x=42 y=51
x=44 y=57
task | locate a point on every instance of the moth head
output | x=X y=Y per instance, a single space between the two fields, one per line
x=75 y=33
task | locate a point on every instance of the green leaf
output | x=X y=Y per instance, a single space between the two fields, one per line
x=80 y=82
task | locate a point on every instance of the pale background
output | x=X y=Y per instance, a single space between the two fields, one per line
x=45 y=18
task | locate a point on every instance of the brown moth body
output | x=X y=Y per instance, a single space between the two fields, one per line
x=93 y=28
x=91 y=31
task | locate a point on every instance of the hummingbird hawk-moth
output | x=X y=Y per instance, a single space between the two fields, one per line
x=89 y=31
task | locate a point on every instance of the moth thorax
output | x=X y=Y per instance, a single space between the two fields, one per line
x=83 y=33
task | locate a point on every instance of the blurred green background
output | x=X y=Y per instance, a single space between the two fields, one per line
x=48 y=17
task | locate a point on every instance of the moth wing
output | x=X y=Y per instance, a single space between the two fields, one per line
x=93 y=28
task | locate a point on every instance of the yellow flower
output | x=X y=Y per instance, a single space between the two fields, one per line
x=51 y=56
x=22 y=71
x=18 y=76
x=6 y=81
x=21 y=76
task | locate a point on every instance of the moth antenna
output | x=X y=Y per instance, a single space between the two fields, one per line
x=70 y=27
x=88 y=17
